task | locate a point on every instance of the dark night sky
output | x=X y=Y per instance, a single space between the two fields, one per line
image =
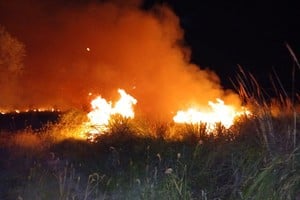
x=252 y=34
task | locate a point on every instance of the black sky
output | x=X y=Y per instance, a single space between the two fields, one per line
x=253 y=34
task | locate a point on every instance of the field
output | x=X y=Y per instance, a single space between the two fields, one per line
x=257 y=158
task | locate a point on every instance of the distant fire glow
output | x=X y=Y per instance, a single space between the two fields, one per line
x=18 y=111
x=219 y=113
x=103 y=110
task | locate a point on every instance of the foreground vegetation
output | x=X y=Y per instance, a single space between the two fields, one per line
x=257 y=158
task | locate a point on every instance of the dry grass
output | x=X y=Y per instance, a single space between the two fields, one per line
x=27 y=140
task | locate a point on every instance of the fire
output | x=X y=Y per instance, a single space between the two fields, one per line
x=219 y=113
x=103 y=110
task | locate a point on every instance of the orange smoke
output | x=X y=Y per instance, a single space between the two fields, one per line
x=76 y=49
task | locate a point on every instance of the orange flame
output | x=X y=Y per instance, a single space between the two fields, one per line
x=220 y=113
x=103 y=110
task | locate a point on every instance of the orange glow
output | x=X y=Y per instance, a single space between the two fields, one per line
x=218 y=113
x=103 y=110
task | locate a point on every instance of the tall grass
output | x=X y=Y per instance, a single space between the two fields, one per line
x=277 y=127
x=125 y=164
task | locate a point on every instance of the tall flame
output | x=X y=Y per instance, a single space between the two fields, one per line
x=220 y=113
x=124 y=105
x=103 y=110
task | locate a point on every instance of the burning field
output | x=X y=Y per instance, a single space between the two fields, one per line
x=97 y=49
x=101 y=101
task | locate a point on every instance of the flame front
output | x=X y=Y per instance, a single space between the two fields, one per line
x=103 y=110
x=220 y=113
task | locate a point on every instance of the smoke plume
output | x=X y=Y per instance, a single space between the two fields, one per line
x=76 y=48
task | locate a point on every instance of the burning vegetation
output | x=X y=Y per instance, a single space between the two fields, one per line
x=103 y=111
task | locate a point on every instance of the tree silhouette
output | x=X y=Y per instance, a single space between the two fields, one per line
x=12 y=52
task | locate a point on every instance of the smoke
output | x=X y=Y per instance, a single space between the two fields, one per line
x=73 y=49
